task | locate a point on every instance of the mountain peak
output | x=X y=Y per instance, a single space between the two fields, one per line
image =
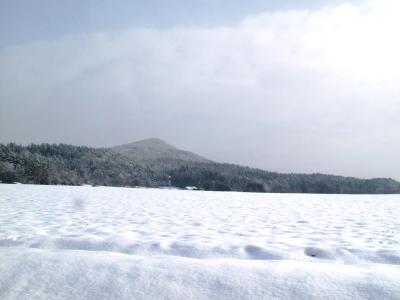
x=155 y=148
x=151 y=142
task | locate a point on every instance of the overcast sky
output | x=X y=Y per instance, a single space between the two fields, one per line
x=290 y=86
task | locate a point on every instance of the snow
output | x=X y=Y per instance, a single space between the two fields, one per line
x=62 y=242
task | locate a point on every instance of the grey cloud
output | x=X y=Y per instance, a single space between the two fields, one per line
x=268 y=92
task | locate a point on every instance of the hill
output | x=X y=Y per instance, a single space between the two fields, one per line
x=156 y=149
x=154 y=163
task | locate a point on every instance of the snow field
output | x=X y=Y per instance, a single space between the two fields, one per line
x=59 y=242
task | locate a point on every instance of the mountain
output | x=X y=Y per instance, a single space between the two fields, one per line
x=155 y=149
x=154 y=163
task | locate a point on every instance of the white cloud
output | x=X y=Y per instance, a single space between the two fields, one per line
x=301 y=90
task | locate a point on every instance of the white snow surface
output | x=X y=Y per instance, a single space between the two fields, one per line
x=62 y=242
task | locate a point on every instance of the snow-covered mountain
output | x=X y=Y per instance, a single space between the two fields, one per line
x=155 y=149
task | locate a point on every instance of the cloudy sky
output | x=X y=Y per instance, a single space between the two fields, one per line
x=290 y=86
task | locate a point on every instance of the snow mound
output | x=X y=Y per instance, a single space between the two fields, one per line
x=40 y=274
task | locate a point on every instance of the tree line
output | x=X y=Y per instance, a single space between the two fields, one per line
x=77 y=165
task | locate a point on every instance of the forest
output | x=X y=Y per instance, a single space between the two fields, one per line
x=77 y=165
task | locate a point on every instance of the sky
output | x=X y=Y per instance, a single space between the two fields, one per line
x=287 y=86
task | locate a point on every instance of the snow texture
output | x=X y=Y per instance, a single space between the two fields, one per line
x=60 y=242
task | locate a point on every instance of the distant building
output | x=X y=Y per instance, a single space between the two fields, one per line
x=191 y=188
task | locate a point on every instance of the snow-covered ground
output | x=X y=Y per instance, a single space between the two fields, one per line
x=59 y=242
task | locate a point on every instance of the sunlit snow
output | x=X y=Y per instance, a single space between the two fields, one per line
x=60 y=242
